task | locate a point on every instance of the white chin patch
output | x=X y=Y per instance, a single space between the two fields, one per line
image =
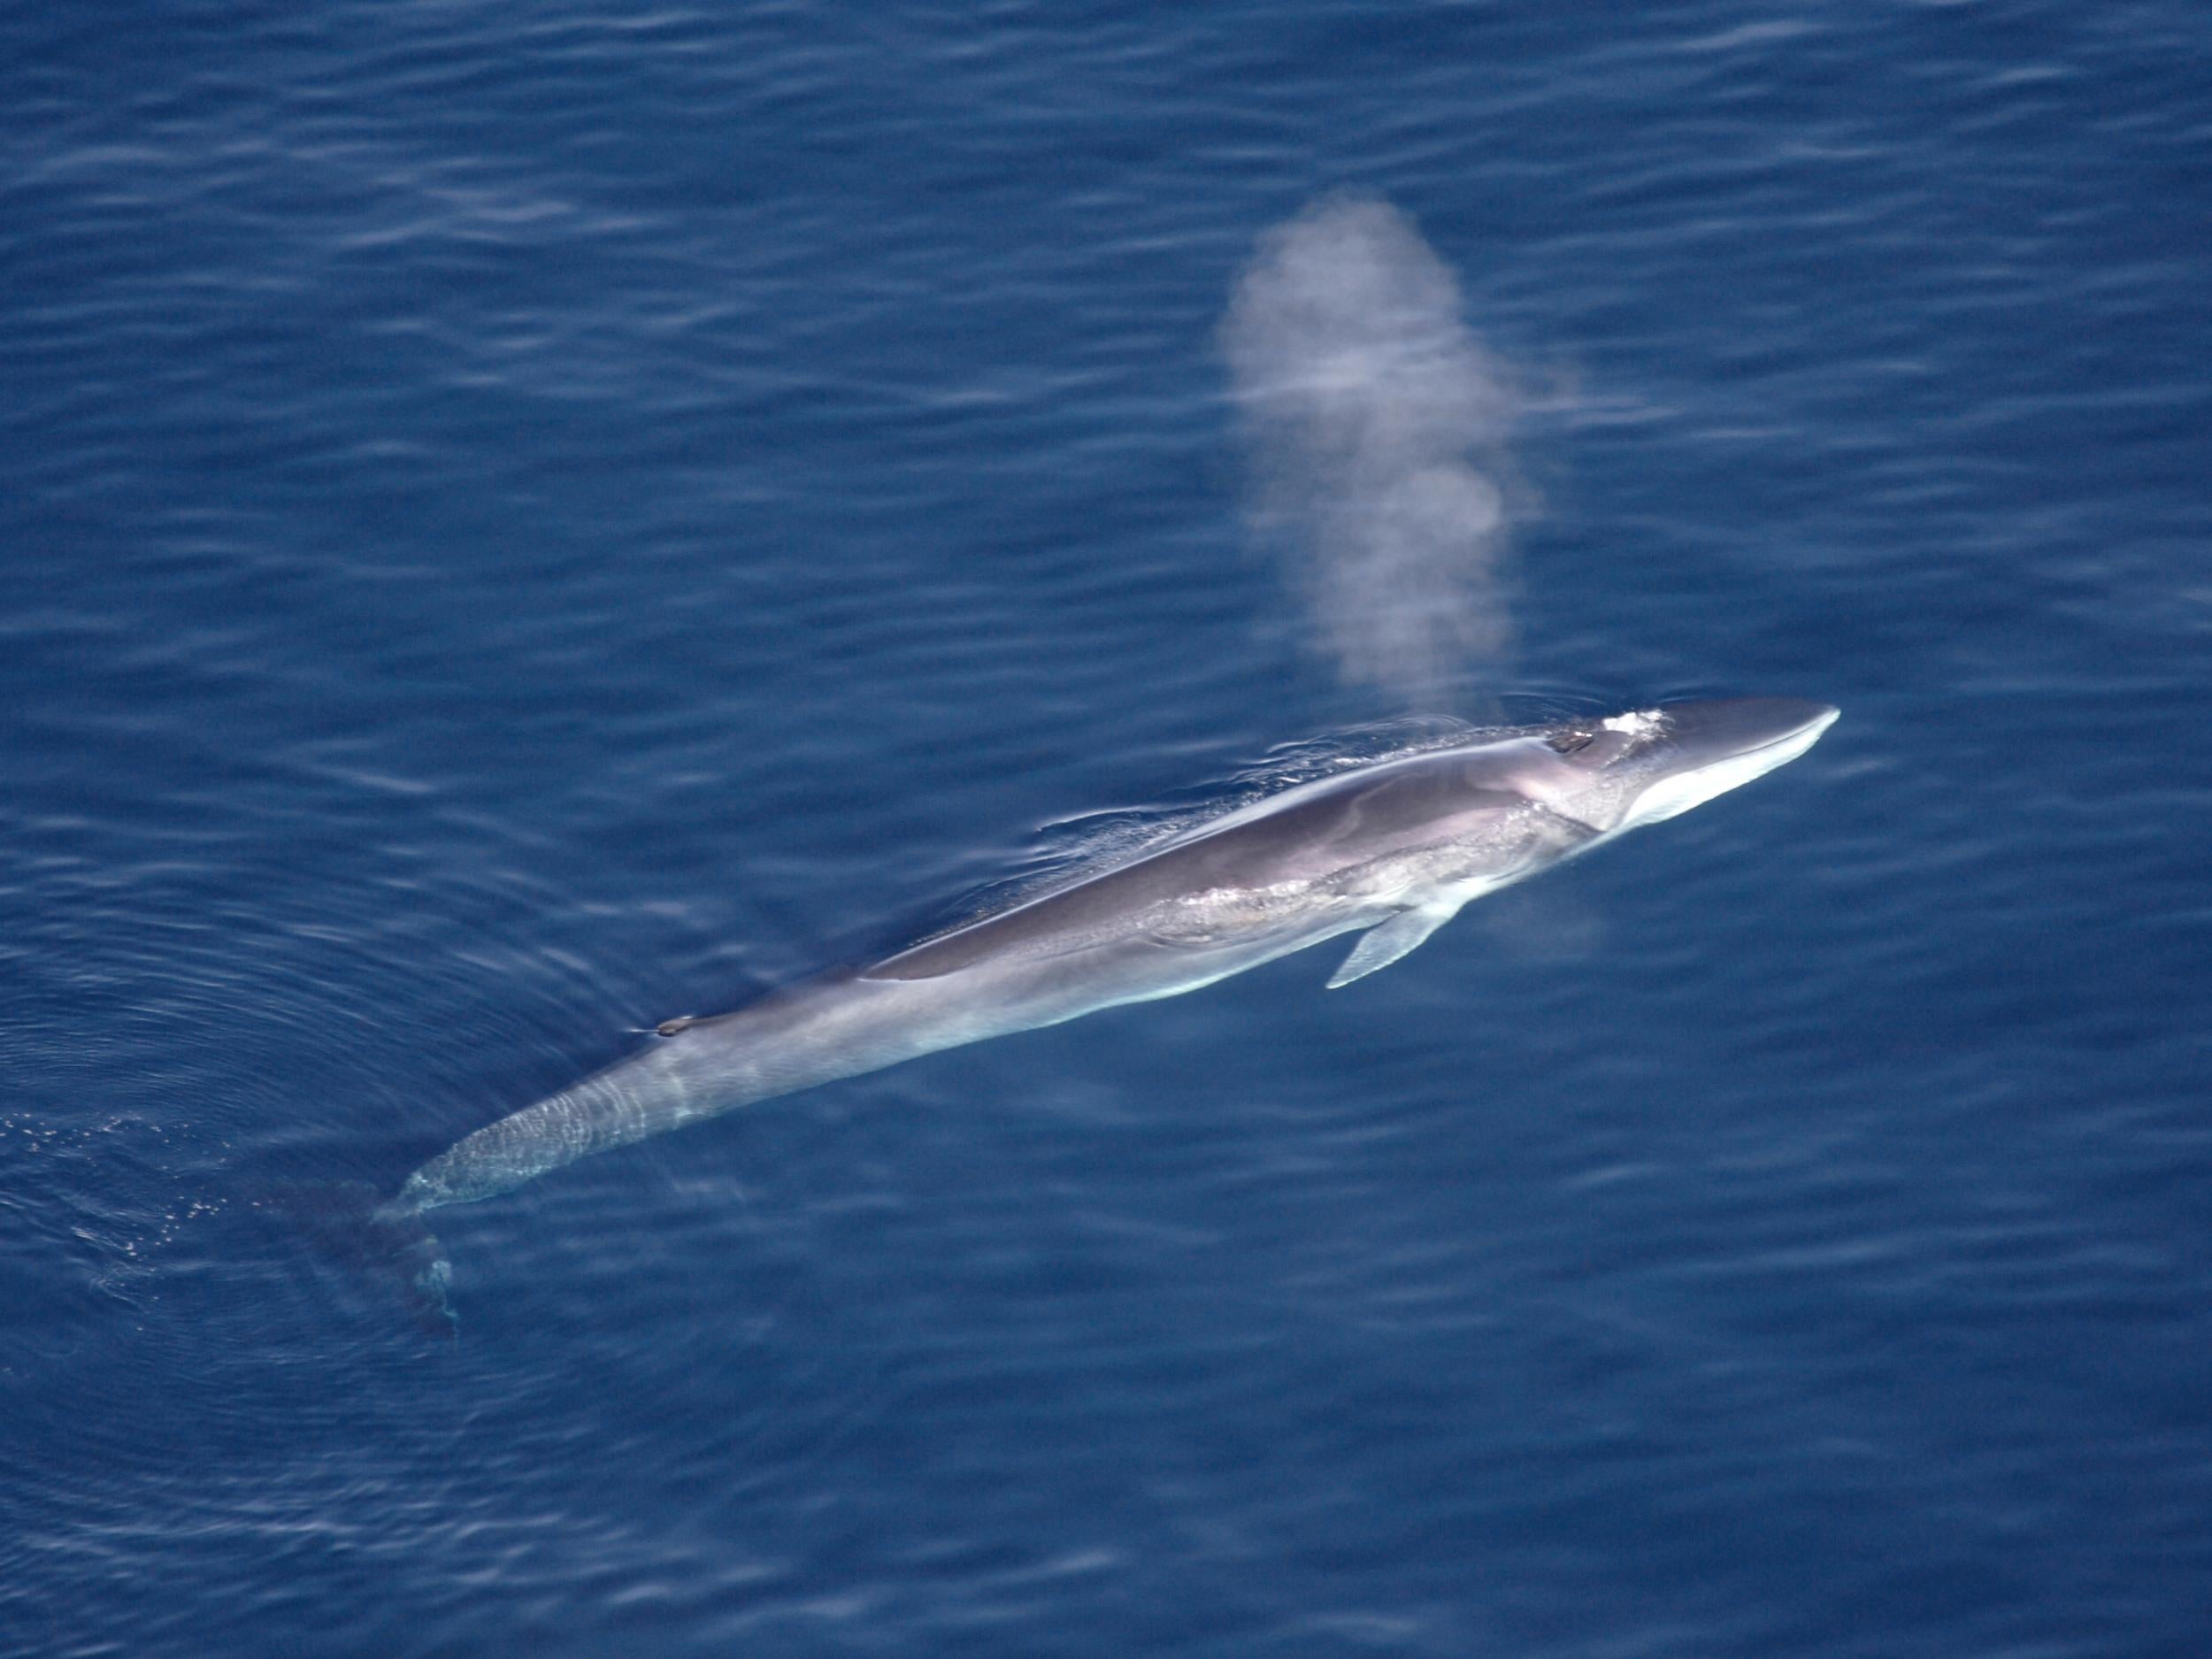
x=1671 y=797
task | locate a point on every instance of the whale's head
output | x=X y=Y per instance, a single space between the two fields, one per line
x=1650 y=764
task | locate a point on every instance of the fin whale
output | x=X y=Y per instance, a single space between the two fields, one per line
x=1389 y=851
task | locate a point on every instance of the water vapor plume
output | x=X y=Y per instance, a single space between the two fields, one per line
x=1375 y=425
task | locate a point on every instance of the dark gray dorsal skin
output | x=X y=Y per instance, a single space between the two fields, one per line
x=1343 y=823
x=1395 y=848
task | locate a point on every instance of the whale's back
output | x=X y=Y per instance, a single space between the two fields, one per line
x=1304 y=835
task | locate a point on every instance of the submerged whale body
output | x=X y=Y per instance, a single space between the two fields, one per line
x=1390 y=851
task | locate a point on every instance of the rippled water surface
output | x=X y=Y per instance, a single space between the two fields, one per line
x=520 y=522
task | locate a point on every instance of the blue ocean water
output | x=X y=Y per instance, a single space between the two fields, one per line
x=516 y=522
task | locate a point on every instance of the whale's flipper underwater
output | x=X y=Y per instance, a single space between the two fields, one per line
x=1389 y=851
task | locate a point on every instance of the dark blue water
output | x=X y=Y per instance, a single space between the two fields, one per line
x=516 y=522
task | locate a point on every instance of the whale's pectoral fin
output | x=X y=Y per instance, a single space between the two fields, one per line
x=1384 y=944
